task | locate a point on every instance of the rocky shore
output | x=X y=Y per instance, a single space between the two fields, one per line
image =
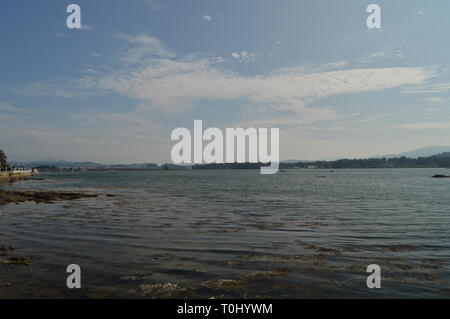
x=39 y=196
x=16 y=196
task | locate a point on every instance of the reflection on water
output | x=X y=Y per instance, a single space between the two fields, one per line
x=232 y=234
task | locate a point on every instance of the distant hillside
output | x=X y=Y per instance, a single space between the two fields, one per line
x=56 y=163
x=441 y=160
x=421 y=152
x=292 y=161
x=436 y=161
x=68 y=164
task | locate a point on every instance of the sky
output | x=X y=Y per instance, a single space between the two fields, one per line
x=114 y=90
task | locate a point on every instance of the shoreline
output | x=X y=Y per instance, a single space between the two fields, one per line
x=6 y=177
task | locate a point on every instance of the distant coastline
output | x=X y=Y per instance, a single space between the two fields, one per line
x=441 y=160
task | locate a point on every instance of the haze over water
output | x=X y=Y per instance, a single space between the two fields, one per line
x=229 y=233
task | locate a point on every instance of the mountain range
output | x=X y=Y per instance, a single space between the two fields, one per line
x=68 y=164
x=421 y=152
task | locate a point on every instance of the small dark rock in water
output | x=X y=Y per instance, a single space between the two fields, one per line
x=6 y=248
x=17 y=261
x=440 y=176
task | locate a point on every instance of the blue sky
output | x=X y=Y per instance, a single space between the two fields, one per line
x=114 y=90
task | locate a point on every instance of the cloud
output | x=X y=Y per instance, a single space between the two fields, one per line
x=157 y=79
x=59 y=35
x=428 y=88
x=437 y=126
x=244 y=56
x=389 y=52
x=337 y=64
x=7 y=107
x=143 y=46
x=370 y=57
x=329 y=66
x=155 y=4
x=174 y=85
x=86 y=27
x=207 y=18
x=119 y=143
x=433 y=99
x=61 y=87
x=302 y=117
x=109 y=137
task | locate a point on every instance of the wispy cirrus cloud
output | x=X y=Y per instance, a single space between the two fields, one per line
x=8 y=107
x=142 y=46
x=61 y=87
x=428 y=88
x=389 y=52
x=155 y=4
x=87 y=27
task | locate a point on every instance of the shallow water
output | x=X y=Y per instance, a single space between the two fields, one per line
x=299 y=234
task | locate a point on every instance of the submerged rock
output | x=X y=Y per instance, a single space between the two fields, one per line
x=166 y=290
x=17 y=261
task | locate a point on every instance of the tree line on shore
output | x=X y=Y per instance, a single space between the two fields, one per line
x=4 y=165
x=436 y=161
x=3 y=161
x=440 y=161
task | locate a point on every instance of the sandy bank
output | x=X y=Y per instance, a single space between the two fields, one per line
x=8 y=177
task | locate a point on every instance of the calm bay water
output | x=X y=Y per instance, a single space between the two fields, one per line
x=303 y=233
